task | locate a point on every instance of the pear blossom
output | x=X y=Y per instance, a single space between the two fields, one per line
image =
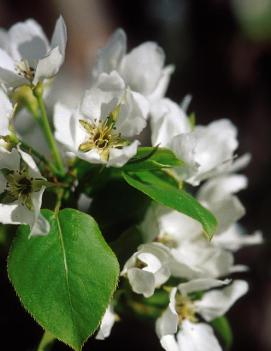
x=218 y=195
x=142 y=69
x=102 y=129
x=6 y=112
x=234 y=238
x=27 y=57
x=205 y=150
x=21 y=190
x=168 y=120
x=191 y=255
x=179 y=327
x=147 y=269
x=109 y=319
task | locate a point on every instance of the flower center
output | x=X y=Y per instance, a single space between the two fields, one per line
x=185 y=308
x=140 y=264
x=20 y=187
x=102 y=136
x=167 y=240
x=25 y=70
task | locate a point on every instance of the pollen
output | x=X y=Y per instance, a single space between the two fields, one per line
x=185 y=308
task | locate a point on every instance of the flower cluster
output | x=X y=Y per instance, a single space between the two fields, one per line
x=174 y=257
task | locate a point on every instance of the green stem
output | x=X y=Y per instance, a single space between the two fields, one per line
x=48 y=132
x=59 y=194
x=46 y=342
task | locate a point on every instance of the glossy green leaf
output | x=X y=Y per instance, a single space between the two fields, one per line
x=161 y=191
x=152 y=158
x=65 y=279
x=223 y=329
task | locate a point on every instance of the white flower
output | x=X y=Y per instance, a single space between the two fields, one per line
x=181 y=316
x=21 y=190
x=142 y=69
x=108 y=118
x=167 y=121
x=109 y=319
x=234 y=239
x=205 y=150
x=217 y=194
x=6 y=112
x=147 y=269
x=26 y=56
x=191 y=254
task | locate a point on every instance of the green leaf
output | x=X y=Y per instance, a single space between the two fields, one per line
x=65 y=279
x=152 y=158
x=161 y=191
x=223 y=329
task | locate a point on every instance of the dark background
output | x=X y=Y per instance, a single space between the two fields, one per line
x=222 y=53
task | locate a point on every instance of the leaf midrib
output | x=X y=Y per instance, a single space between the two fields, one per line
x=65 y=267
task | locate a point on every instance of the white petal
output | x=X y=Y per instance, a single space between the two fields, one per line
x=33 y=168
x=154 y=272
x=118 y=157
x=167 y=121
x=178 y=226
x=168 y=322
x=9 y=159
x=6 y=61
x=6 y=214
x=201 y=285
x=233 y=239
x=200 y=259
x=162 y=84
x=217 y=302
x=103 y=98
x=49 y=65
x=5 y=113
x=11 y=79
x=107 y=323
x=110 y=56
x=84 y=202
x=184 y=146
x=59 y=38
x=197 y=337
x=39 y=225
x=169 y=343
x=8 y=74
x=4 y=39
x=142 y=67
x=215 y=189
x=240 y=163
x=226 y=212
x=133 y=114
x=142 y=282
x=63 y=125
x=28 y=41
x=215 y=145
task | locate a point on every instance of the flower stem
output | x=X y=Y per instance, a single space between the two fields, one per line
x=46 y=342
x=48 y=132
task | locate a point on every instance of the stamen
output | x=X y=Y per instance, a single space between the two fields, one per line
x=185 y=308
x=25 y=70
x=102 y=136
